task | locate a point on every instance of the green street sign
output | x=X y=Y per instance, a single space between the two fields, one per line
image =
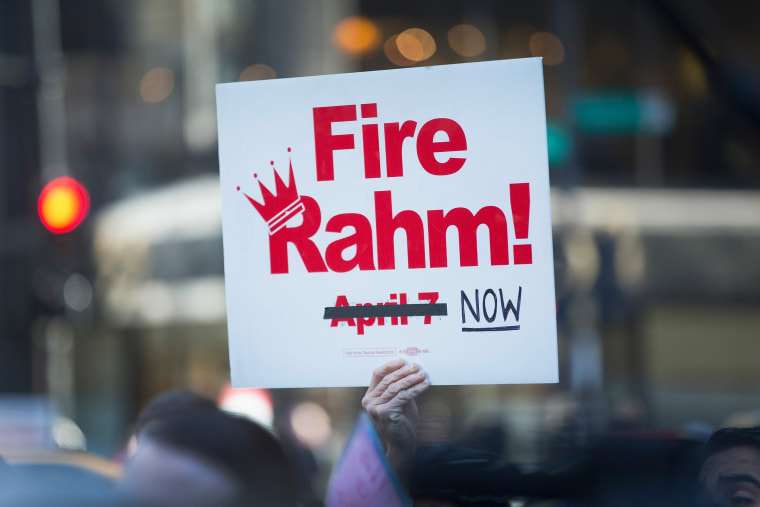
x=615 y=112
x=558 y=143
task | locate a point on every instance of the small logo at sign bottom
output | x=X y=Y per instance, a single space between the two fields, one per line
x=413 y=351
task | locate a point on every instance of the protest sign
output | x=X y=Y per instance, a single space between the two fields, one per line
x=400 y=213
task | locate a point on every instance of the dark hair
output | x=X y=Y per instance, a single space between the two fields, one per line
x=249 y=454
x=172 y=403
x=727 y=438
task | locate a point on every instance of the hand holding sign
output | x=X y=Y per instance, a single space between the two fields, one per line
x=390 y=402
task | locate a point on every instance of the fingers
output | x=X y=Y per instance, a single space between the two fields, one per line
x=390 y=378
x=381 y=371
x=405 y=390
x=400 y=385
x=398 y=407
x=397 y=388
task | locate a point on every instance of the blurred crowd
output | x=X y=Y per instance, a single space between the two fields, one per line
x=186 y=451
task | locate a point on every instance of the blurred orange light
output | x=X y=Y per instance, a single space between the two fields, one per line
x=257 y=72
x=416 y=44
x=156 y=84
x=63 y=204
x=409 y=47
x=467 y=40
x=548 y=46
x=394 y=55
x=356 y=36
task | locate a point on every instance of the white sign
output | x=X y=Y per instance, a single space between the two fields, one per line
x=383 y=214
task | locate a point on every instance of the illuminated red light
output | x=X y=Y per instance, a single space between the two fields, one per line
x=63 y=204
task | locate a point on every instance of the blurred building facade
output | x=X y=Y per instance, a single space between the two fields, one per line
x=655 y=166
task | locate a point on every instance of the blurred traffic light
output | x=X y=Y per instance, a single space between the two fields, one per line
x=63 y=204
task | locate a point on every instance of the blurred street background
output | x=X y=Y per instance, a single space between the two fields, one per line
x=653 y=114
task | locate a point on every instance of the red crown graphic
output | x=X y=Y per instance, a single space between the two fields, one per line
x=279 y=208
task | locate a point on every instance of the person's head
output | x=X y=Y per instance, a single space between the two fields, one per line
x=208 y=457
x=170 y=404
x=730 y=472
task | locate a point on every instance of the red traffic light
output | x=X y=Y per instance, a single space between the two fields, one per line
x=63 y=204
